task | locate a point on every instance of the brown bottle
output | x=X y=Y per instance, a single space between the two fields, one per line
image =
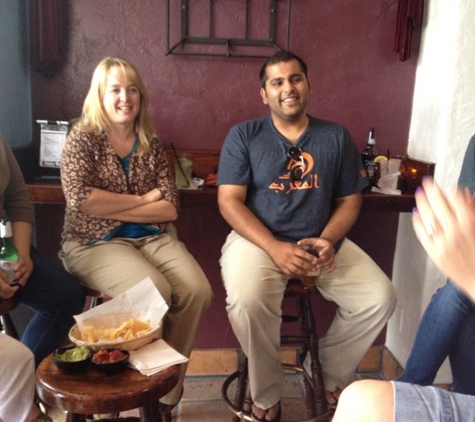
x=367 y=156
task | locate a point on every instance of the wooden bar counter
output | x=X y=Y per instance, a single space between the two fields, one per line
x=207 y=196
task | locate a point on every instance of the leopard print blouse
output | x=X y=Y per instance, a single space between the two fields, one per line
x=88 y=161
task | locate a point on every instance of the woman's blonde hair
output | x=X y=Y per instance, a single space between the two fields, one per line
x=94 y=119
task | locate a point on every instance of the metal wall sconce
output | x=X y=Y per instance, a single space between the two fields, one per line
x=238 y=28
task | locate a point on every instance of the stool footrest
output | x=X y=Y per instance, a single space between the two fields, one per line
x=224 y=393
x=246 y=416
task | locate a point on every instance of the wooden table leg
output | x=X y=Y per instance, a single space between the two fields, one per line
x=149 y=414
x=73 y=417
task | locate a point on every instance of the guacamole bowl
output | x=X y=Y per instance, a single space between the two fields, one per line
x=72 y=359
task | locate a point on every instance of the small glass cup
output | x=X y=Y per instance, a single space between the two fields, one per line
x=312 y=277
x=183 y=172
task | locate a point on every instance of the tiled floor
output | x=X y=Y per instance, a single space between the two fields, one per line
x=202 y=400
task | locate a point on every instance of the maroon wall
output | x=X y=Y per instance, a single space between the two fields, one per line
x=356 y=78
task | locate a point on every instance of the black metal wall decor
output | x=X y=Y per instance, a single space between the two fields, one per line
x=229 y=28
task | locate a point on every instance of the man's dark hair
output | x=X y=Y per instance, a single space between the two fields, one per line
x=280 y=56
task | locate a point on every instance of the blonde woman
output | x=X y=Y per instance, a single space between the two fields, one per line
x=121 y=200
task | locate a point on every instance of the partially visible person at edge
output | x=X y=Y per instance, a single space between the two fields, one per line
x=447 y=327
x=289 y=182
x=43 y=284
x=17 y=392
x=121 y=200
x=445 y=226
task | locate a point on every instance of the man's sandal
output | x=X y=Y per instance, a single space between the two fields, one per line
x=332 y=398
x=277 y=418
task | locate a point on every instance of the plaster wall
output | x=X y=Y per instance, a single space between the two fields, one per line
x=443 y=120
x=356 y=77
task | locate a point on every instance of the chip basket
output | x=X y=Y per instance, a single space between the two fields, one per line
x=132 y=344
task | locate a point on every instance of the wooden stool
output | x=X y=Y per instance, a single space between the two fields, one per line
x=308 y=341
x=6 y=306
x=93 y=392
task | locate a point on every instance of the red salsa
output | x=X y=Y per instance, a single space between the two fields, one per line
x=108 y=356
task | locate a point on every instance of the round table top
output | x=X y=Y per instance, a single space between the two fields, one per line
x=93 y=392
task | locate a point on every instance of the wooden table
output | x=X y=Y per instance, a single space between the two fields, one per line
x=207 y=196
x=93 y=392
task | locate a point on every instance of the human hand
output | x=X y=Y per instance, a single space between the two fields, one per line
x=23 y=269
x=152 y=196
x=290 y=258
x=325 y=249
x=445 y=226
x=293 y=259
x=6 y=290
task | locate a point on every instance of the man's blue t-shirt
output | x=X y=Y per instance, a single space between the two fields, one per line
x=255 y=154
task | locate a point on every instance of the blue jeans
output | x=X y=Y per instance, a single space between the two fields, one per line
x=416 y=403
x=447 y=328
x=55 y=296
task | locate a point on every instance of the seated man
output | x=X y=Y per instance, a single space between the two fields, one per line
x=446 y=229
x=289 y=182
x=448 y=325
x=44 y=285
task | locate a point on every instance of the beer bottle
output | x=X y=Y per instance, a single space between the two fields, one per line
x=368 y=155
x=8 y=252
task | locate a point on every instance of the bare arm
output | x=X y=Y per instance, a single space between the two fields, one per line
x=155 y=212
x=343 y=218
x=231 y=201
x=102 y=203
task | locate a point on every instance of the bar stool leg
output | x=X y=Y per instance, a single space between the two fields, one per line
x=148 y=414
x=74 y=417
x=96 y=301
x=315 y=400
x=242 y=397
x=7 y=323
x=309 y=331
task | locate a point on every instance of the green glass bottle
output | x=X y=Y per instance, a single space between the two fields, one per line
x=8 y=252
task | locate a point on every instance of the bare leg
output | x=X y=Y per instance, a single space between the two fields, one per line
x=366 y=401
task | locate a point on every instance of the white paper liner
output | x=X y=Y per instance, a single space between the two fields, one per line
x=143 y=302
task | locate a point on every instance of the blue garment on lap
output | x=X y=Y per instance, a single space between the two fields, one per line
x=135 y=230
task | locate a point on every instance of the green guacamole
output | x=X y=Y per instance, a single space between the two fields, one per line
x=74 y=355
